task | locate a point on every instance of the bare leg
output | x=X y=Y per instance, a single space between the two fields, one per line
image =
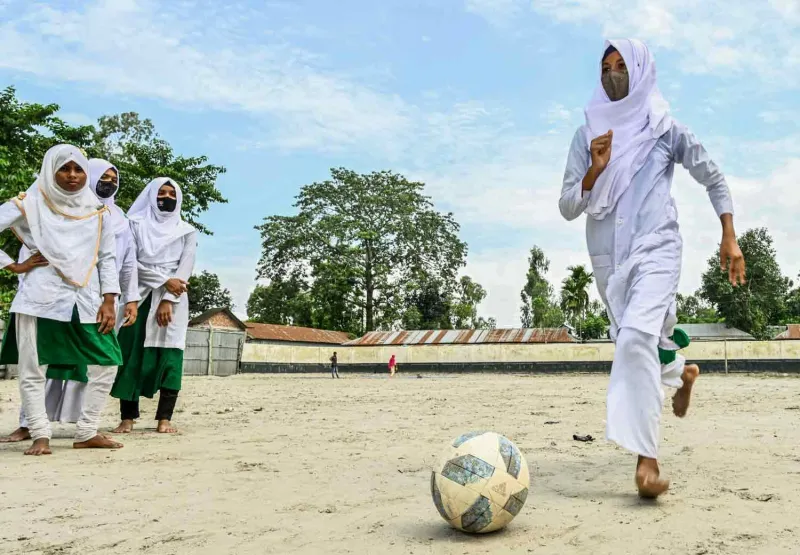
x=648 y=479
x=680 y=402
x=125 y=427
x=97 y=442
x=165 y=427
x=20 y=434
x=39 y=447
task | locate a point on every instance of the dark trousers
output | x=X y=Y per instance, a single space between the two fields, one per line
x=166 y=406
x=335 y=371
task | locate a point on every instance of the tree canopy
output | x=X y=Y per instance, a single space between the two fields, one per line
x=206 y=292
x=539 y=308
x=761 y=302
x=364 y=252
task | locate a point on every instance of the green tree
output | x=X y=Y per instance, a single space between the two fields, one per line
x=692 y=309
x=206 y=292
x=792 y=315
x=284 y=302
x=595 y=324
x=134 y=147
x=539 y=309
x=379 y=231
x=575 y=295
x=468 y=296
x=429 y=307
x=761 y=302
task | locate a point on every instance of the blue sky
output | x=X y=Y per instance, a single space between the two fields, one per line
x=478 y=98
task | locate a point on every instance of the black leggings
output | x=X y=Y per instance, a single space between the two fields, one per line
x=166 y=406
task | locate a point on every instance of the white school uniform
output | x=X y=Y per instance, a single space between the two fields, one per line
x=635 y=246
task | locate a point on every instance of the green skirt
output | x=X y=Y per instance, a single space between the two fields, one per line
x=145 y=370
x=67 y=348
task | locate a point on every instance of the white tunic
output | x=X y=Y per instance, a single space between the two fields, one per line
x=127 y=268
x=636 y=250
x=47 y=295
x=64 y=399
x=636 y=259
x=179 y=263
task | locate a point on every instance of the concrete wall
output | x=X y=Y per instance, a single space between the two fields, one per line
x=771 y=356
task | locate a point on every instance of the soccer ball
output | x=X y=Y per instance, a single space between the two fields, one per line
x=481 y=482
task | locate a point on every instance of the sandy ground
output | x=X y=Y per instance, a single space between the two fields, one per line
x=283 y=464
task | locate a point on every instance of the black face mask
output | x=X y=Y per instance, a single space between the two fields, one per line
x=166 y=204
x=106 y=189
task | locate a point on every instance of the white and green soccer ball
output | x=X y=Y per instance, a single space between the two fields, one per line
x=481 y=482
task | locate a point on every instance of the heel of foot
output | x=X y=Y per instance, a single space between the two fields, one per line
x=650 y=487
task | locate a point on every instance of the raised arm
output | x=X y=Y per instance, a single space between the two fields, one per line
x=186 y=265
x=574 y=199
x=690 y=153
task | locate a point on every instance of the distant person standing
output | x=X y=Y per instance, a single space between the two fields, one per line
x=334 y=366
x=392 y=366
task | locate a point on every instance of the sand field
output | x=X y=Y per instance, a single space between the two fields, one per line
x=306 y=464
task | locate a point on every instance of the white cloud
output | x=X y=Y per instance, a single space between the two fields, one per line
x=76 y=118
x=559 y=114
x=720 y=36
x=508 y=184
x=497 y=12
x=168 y=56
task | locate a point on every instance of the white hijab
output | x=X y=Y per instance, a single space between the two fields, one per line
x=116 y=217
x=157 y=230
x=638 y=120
x=65 y=227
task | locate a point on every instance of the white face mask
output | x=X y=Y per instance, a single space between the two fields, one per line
x=616 y=84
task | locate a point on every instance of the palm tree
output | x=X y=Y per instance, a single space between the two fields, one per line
x=575 y=294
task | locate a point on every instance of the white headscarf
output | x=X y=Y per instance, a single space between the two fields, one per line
x=638 y=120
x=157 y=230
x=116 y=217
x=65 y=227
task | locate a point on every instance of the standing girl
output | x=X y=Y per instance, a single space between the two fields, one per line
x=152 y=348
x=64 y=314
x=66 y=384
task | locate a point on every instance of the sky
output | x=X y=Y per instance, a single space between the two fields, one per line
x=477 y=98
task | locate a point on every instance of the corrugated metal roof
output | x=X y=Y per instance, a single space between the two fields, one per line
x=713 y=331
x=294 y=334
x=463 y=337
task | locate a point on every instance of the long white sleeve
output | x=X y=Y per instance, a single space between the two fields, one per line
x=129 y=273
x=186 y=265
x=689 y=152
x=573 y=199
x=150 y=278
x=107 y=261
x=9 y=215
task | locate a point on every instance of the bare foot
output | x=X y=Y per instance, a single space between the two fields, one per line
x=97 y=442
x=165 y=427
x=680 y=402
x=648 y=480
x=39 y=447
x=20 y=434
x=125 y=427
